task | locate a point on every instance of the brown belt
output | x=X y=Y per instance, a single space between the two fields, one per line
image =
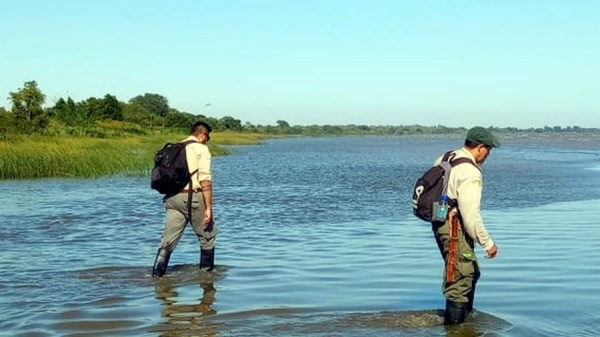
x=193 y=191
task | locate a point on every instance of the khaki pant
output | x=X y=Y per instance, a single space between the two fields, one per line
x=176 y=218
x=466 y=273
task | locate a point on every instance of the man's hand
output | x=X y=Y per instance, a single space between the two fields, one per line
x=491 y=253
x=208 y=217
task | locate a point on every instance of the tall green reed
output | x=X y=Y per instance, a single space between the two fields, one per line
x=59 y=156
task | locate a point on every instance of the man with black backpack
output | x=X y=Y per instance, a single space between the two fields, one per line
x=462 y=225
x=182 y=172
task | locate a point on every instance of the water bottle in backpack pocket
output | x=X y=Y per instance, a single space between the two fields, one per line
x=430 y=200
x=440 y=209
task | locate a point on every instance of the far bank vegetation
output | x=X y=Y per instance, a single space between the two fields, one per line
x=103 y=135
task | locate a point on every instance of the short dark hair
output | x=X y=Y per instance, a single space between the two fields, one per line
x=469 y=144
x=199 y=127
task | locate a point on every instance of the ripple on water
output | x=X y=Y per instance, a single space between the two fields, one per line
x=316 y=238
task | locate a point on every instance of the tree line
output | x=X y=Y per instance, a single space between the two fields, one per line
x=28 y=116
x=152 y=111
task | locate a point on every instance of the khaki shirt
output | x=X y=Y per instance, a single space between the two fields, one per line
x=198 y=158
x=466 y=185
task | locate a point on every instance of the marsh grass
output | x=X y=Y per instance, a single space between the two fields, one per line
x=60 y=156
x=238 y=138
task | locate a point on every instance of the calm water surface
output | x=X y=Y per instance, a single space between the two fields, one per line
x=317 y=239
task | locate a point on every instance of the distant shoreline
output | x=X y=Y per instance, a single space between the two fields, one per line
x=25 y=157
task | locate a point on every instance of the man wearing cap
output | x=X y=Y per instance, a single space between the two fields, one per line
x=465 y=186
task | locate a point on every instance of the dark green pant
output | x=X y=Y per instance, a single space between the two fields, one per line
x=462 y=289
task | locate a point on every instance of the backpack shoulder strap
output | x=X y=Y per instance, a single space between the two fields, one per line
x=463 y=160
x=185 y=143
x=448 y=156
x=448 y=162
x=190 y=184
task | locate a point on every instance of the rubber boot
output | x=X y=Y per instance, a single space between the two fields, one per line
x=161 y=262
x=471 y=297
x=471 y=294
x=455 y=312
x=207 y=259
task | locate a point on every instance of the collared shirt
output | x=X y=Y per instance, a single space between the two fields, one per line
x=198 y=158
x=466 y=185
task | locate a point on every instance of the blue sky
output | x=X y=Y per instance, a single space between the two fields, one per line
x=456 y=63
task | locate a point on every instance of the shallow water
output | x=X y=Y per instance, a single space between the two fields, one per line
x=316 y=238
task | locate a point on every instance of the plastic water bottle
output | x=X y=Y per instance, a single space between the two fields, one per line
x=442 y=210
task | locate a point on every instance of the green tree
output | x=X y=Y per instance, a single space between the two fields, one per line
x=69 y=112
x=179 y=120
x=27 y=101
x=27 y=107
x=88 y=111
x=230 y=123
x=91 y=108
x=137 y=114
x=6 y=122
x=111 y=108
x=57 y=109
x=214 y=123
x=283 y=124
x=250 y=127
x=153 y=103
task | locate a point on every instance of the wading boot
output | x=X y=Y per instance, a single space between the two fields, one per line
x=207 y=259
x=471 y=297
x=471 y=294
x=161 y=262
x=455 y=312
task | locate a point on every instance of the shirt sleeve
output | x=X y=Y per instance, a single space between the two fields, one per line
x=198 y=159
x=204 y=158
x=469 y=202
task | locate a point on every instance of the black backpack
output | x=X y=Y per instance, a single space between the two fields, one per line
x=434 y=182
x=170 y=173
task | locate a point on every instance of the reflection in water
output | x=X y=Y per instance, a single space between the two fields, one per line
x=478 y=324
x=186 y=319
x=463 y=330
x=424 y=323
x=307 y=322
